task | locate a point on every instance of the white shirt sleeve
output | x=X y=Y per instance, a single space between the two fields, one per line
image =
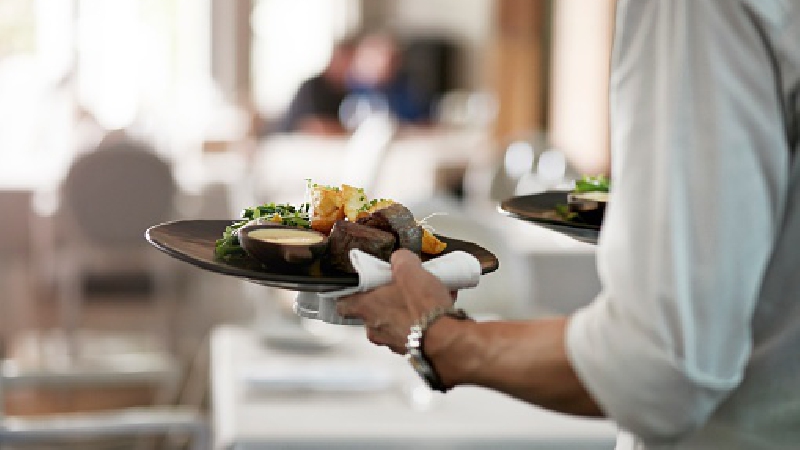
x=700 y=170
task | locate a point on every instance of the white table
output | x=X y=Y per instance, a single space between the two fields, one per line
x=465 y=418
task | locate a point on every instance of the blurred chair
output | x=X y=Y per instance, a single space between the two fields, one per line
x=139 y=423
x=552 y=172
x=366 y=151
x=526 y=166
x=15 y=258
x=466 y=109
x=109 y=197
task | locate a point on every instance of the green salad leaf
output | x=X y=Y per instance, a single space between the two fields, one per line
x=597 y=183
x=565 y=213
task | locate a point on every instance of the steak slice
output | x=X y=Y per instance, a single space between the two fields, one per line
x=399 y=221
x=346 y=236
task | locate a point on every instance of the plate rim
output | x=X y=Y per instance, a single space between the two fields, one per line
x=280 y=280
x=580 y=231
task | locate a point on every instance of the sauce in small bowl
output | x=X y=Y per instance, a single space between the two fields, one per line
x=590 y=207
x=281 y=245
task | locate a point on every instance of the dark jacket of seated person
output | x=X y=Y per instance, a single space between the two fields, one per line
x=315 y=107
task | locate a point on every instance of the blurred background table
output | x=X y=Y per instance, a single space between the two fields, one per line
x=401 y=414
x=407 y=166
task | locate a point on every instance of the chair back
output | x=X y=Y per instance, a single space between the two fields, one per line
x=16 y=224
x=366 y=151
x=2 y=400
x=117 y=191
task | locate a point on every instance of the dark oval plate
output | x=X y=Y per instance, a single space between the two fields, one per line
x=192 y=241
x=541 y=210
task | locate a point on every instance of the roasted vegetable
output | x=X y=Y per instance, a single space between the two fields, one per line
x=353 y=199
x=326 y=207
x=431 y=245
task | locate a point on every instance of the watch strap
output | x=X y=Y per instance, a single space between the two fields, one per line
x=414 y=345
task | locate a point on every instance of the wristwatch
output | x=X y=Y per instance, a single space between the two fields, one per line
x=414 y=351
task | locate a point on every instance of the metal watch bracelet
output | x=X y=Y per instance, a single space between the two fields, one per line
x=414 y=348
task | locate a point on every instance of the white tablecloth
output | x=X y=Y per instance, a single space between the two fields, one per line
x=246 y=416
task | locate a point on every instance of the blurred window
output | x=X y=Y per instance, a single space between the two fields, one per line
x=137 y=64
x=35 y=53
x=16 y=27
x=144 y=58
x=292 y=41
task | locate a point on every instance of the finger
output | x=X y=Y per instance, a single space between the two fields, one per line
x=400 y=350
x=375 y=337
x=364 y=305
x=404 y=256
x=412 y=278
x=406 y=264
x=348 y=306
x=378 y=337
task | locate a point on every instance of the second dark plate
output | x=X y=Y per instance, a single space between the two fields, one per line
x=541 y=210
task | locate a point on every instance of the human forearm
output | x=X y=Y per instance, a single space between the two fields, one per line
x=526 y=360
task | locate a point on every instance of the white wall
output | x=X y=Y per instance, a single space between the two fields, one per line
x=582 y=34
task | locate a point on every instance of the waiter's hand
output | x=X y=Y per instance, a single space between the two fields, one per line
x=389 y=311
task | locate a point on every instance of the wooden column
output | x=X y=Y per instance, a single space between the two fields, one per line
x=519 y=67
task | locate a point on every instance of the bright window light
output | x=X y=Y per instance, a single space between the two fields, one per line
x=293 y=41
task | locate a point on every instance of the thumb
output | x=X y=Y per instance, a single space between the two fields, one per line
x=405 y=263
x=420 y=290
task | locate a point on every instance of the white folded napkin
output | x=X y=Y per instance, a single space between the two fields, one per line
x=457 y=270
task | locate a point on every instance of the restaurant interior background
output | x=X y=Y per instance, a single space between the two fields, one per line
x=93 y=320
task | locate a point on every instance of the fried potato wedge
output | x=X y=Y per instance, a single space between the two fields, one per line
x=326 y=208
x=431 y=245
x=353 y=200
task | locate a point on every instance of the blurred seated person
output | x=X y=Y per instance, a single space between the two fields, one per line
x=315 y=107
x=378 y=84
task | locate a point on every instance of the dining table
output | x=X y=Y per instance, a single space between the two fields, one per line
x=326 y=387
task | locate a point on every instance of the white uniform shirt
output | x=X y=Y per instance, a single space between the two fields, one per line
x=694 y=341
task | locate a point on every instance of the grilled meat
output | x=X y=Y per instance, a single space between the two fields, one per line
x=399 y=221
x=349 y=235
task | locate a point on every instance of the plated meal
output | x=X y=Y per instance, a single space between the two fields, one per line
x=587 y=202
x=300 y=247
x=577 y=213
x=333 y=221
